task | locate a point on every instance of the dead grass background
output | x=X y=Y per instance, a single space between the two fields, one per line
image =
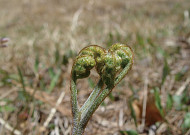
x=155 y=29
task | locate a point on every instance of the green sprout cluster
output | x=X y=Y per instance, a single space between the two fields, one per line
x=112 y=65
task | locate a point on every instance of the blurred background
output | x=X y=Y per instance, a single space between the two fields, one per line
x=46 y=35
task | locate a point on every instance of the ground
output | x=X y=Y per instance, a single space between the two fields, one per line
x=45 y=37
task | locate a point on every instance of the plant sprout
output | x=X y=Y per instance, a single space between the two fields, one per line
x=112 y=65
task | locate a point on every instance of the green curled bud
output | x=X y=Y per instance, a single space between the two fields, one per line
x=124 y=53
x=89 y=57
x=98 y=53
x=117 y=58
x=107 y=63
x=82 y=66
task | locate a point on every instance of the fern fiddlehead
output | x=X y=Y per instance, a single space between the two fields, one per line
x=112 y=65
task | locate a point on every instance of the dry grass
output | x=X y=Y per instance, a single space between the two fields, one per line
x=157 y=30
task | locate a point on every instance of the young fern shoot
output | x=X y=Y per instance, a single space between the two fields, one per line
x=112 y=65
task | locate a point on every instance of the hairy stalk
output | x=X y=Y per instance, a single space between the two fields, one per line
x=92 y=96
x=111 y=65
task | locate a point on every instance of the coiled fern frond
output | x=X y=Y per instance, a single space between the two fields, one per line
x=112 y=65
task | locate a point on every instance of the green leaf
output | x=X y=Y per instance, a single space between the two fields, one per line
x=165 y=71
x=42 y=84
x=169 y=102
x=57 y=56
x=177 y=100
x=129 y=132
x=150 y=42
x=186 y=96
x=51 y=126
x=181 y=74
x=51 y=72
x=161 y=51
x=14 y=77
x=7 y=108
x=54 y=81
x=21 y=78
x=110 y=39
x=140 y=40
x=158 y=101
x=25 y=95
x=65 y=60
x=36 y=65
x=186 y=123
x=133 y=114
x=181 y=101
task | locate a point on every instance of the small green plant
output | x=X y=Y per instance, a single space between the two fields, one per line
x=129 y=132
x=112 y=65
x=186 y=122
